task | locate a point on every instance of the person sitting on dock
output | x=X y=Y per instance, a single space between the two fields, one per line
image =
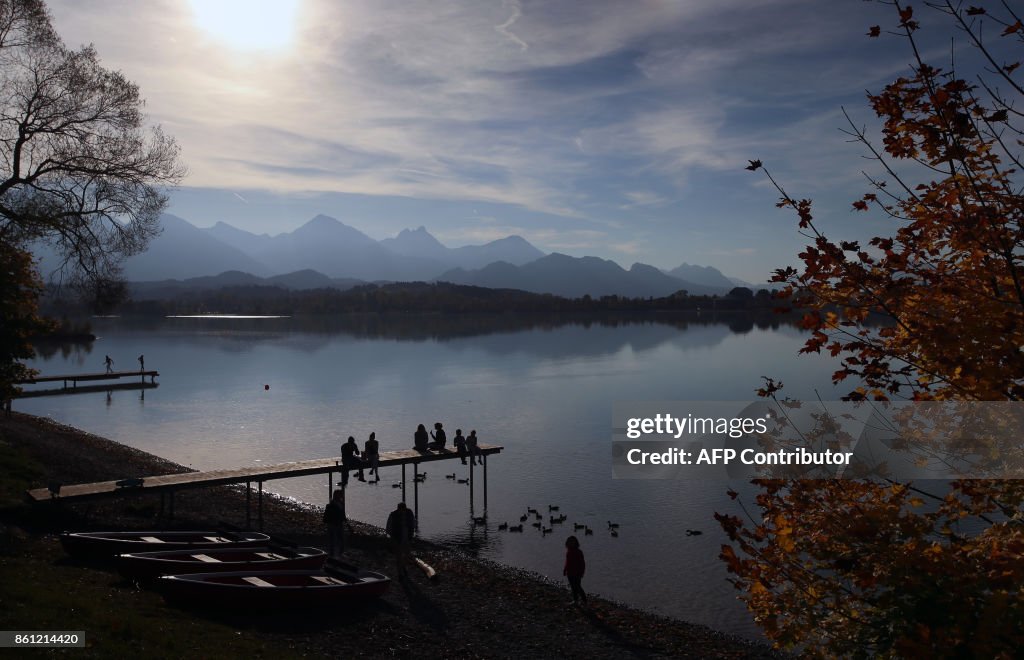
x=334 y=518
x=401 y=527
x=471 y=446
x=350 y=460
x=460 y=445
x=420 y=440
x=110 y=364
x=371 y=455
x=439 y=436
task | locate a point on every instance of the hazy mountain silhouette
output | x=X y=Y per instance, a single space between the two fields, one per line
x=182 y=251
x=705 y=275
x=574 y=277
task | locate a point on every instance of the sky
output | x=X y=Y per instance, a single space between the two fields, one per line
x=618 y=129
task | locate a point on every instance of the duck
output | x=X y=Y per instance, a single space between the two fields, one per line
x=693 y=532
x=503 y=525
x=544 y=531
x=612 y=525
x=530 y=510
x=398 y=485
x=450 y=476
x=587 y=531
x=523 y=517
x=515 y=528
x=539 y=517
x=536 y=524
x=615 y=533
x=552 y=507
x=463 y=481
x=576 y=526
x=558 y=519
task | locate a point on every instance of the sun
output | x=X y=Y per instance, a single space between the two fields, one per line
x=247 y=25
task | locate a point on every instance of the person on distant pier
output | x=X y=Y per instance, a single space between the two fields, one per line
x=401 y=527
x=334 y=518
x=439 y=436
x=371 y=455
x=575 y=567
x=460 y=445
x=109 y=363
x=350 y=460
x=420 y=439
x=142 y=363
x=471 y=447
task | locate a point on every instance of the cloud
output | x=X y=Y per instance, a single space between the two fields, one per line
x=503 y=29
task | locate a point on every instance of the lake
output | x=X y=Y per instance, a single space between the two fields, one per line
x=541 y=387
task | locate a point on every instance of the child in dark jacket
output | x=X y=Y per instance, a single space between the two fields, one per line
x=575 y=567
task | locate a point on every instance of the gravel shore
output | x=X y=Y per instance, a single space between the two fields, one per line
x=475 y=609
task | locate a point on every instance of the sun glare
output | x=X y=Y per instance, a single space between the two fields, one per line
x=247 y=25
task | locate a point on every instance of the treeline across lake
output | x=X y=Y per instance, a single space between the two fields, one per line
x=424 y=297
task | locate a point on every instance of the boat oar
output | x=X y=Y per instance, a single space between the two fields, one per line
x=427 y=568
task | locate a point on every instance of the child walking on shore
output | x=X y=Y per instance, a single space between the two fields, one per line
x=575 y=567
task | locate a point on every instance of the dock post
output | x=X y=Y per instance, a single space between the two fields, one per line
x=260 y=506
x=416 y=490
x=472 y=462
x=248 y=510
x=484 y=460
x=330 y=486
x=403 y=483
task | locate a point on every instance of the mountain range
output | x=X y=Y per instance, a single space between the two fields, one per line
x=326 y=252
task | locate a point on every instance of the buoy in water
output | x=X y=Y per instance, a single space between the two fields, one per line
x=266 y=387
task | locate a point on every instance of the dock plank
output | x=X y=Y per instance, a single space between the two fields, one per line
x=257 y=473
x=88 y=377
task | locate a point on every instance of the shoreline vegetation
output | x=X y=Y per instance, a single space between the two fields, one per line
x=476 y=609
x=434 y=297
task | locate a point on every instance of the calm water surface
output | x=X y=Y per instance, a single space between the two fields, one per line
x=545 y=392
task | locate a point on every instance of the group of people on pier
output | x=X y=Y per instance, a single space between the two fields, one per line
x=465 y=446
x=354 y=459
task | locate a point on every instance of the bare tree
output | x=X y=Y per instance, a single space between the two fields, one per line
x=78 y=169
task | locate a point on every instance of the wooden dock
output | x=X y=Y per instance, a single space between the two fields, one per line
x=170 y=483
x=75 y=378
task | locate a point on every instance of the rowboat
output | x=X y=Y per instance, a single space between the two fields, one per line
x=273 y=589
x=108 y=544
x=148 y=565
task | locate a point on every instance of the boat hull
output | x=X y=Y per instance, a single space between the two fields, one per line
x=150 y=565
x=108 y=544
x=263 y=590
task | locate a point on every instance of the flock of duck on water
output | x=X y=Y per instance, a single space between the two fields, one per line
x=613 y=527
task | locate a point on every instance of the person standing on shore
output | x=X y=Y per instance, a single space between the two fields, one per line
x=401 y=527
x=575 y=567
x=110 y=364
x=371 y=455
x=334 y=518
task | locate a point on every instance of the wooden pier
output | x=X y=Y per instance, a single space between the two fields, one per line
x=168 y=484
x=75 y=378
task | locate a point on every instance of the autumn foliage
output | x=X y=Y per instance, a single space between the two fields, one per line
x=875 y=567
